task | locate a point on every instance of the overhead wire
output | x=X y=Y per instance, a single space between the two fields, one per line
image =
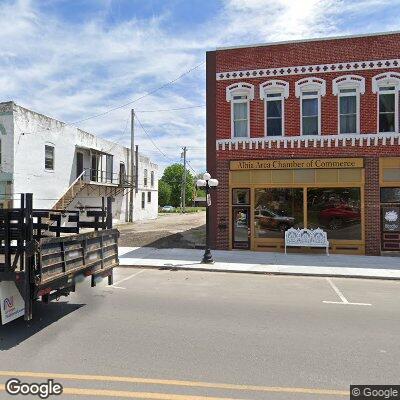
x=171 y=109
x=152 y=141
x=140 y=97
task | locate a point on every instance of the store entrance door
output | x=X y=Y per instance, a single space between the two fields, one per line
x=390 y=219
x=241 y=228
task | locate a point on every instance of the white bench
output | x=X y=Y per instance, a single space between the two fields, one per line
x=306 y=238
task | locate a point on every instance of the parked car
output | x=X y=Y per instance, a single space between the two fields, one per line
x=269 y=219
x=336 y=217
x=167 y=209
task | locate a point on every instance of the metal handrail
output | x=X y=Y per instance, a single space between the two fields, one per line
x=76 y=180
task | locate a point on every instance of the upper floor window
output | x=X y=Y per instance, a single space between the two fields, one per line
x=387 y=87
x=152 y=178
x=348 y=89
x=149 y=197
x=240 y=95
x=273 y=93
x=49 y=157
x=310 y=91
x=145 y=177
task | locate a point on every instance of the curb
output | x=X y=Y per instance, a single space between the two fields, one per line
x=305 y=274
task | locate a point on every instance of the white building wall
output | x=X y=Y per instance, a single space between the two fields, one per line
x=25 y=149
x=7 y=153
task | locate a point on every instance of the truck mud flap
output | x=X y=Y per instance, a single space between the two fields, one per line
x=12 y=303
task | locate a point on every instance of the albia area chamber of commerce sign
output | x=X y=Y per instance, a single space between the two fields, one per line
x=318 y=163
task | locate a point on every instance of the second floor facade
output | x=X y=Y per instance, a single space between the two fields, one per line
x=297 y=92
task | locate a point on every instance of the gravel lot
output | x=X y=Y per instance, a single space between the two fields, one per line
x=167 y=231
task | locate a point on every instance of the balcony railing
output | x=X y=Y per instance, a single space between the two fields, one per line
x=91 y=175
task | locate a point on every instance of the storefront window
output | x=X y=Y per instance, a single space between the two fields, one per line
x=241 y=196
x=277 y=210
x=390 y=195
x=337 y=211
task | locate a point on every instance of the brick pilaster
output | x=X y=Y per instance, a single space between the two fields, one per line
x=372 y=207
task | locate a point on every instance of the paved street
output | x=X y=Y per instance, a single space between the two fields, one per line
x=188 y=335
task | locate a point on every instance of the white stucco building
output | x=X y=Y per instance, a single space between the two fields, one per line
x=65 y=167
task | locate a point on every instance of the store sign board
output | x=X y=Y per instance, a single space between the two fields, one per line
x=391 y=219
x=307 y=163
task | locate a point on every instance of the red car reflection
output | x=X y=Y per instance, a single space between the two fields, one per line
x=336 y=217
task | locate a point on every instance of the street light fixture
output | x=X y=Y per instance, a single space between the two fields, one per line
x=208 y=183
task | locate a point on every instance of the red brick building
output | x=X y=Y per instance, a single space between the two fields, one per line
x=306 y=134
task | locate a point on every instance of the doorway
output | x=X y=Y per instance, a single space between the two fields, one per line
x=79 y=163
x=94 y=171
x=390 y=219
x=122 y=173
x=241 y=228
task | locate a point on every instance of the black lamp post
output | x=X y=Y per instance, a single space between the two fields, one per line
x=207 y=183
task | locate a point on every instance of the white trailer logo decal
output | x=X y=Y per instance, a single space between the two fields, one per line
x=12 y=303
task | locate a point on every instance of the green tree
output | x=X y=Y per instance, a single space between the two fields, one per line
x=199 y=192
x=164 y=194
x=173 y=176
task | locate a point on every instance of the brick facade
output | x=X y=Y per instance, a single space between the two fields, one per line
x=342 y=50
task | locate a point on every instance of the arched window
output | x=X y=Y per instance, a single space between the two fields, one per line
x=310 y=90
x=273 y=92
x=240 y=95
x=348 y=88
x=387 y=87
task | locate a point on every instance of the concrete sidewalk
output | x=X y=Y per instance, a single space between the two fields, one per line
x=263 y=262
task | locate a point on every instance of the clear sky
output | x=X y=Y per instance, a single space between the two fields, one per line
x=72 y=59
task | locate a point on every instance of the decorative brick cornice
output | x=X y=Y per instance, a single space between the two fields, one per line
x=309 y=69
x=287 y=142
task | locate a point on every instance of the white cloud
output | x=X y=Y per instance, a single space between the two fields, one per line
x=70 y=71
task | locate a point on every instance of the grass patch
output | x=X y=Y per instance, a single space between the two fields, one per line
x=187 y=211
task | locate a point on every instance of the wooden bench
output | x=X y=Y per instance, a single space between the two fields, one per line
x=306 y=238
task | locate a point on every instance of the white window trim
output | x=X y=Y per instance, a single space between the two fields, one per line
x=240 y=89
x=312 y=84
x=349 y=82
x=274 y=86
x=387 y=79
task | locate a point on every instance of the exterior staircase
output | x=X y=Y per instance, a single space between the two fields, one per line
x=67 y=198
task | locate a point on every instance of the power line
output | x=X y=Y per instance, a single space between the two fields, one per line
x=190 y=166
x=171 y=109
x=152 y=141
x=141 y=97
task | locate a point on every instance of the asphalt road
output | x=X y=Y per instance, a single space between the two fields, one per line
x=176 y=335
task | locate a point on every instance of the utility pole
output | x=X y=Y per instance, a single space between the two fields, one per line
x=184 y=181
x=132 y=165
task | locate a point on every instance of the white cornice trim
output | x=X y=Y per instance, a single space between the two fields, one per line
x=357 y=140
x=309 y=69
x=240 y=88
x=317 y=39
x=311 y=83
x=347 y=81
x=274 y=86
x=385 y=79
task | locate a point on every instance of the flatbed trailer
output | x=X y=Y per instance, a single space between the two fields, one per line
x=44 y=254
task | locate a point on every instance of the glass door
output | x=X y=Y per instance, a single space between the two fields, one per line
x=390 y=219
x=241 y=218
x=241 y=227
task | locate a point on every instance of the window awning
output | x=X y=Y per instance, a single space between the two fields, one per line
x=92 y=150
